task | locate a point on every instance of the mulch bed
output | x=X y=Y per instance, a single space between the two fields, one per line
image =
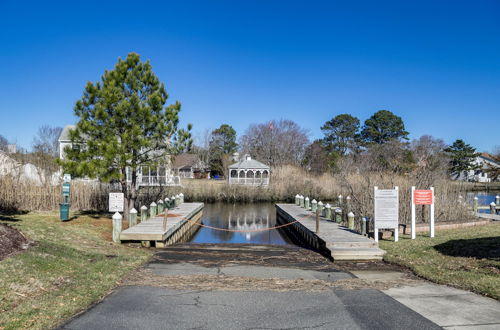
x=12 y=241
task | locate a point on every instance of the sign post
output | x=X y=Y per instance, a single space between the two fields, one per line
x=422 y=197
x=386 y=211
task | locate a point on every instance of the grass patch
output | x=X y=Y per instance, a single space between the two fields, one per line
x=467 y=258
x=72 y=265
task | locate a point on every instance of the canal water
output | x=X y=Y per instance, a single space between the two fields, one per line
x=239 y=223
x=484 y=198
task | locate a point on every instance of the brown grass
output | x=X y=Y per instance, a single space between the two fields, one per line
x=286 y=182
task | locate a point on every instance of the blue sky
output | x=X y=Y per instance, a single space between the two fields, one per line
x=436 y=64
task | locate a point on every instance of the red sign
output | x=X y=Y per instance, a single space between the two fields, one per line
x=422 y=197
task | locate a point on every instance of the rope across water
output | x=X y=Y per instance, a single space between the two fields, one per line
x=249 y=230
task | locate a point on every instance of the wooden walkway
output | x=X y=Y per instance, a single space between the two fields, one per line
x=343 y=243
x=154 y=229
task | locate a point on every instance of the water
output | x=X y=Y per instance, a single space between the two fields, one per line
x=239 y=217
x=484 y=198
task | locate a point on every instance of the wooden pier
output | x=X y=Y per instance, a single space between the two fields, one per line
x=181 y=223
x=341 y=242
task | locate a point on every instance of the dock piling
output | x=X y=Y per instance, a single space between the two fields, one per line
x=350 y=220
x=132 y=219
x=144 y=213
x=117 y=227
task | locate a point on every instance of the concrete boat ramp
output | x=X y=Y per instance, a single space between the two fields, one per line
x=338 y=241
x=181 y=223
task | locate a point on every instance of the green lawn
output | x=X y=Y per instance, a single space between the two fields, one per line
x=467 y=258
x=72 y=265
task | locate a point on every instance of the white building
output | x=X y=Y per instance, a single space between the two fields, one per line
x=146 y=175
x=485 y=162
x=249 y=171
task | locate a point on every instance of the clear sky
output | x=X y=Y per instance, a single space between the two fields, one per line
x=436 y=64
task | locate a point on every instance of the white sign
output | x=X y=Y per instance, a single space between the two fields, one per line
x=386 y=209
x=116 y=202
x=67 y=178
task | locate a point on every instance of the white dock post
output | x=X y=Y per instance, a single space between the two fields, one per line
x=117 y=227
x=132 y=220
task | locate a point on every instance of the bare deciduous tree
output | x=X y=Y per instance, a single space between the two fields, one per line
x=46 y=140
x=276 y=142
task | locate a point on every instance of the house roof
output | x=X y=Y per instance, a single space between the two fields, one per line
x=490 y=158
x=248 y=162
x=65 y=133
x=188 y=161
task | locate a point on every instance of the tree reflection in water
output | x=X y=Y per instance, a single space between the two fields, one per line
x=245 y=218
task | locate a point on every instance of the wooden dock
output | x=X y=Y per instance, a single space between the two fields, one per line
x=181 y=222
x=343 y=243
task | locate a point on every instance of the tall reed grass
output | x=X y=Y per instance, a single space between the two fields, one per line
x=286 y=182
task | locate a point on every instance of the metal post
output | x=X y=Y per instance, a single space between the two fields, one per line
x=132 y=220
x=117 y=227
x=144 y=213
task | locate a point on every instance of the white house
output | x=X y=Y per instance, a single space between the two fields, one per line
x=485 y=162
x=147 y=176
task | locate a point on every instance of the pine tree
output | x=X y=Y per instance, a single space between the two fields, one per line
x=124 y=123
x=462 y=158
x=342 y=134
x=382 y=127
x=222 y=145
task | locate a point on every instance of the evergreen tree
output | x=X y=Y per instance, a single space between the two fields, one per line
x=342 y=134
x=462 y=158
x=222 y=145
x=124 y=123
x=382 y=127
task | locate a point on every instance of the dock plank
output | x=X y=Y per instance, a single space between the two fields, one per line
x=343 y=243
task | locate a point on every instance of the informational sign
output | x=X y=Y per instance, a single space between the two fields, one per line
x=386 y=209
x=422 y=197
x=67 y=178
x=116 y=202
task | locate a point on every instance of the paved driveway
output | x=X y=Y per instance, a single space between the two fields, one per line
x=247 y=287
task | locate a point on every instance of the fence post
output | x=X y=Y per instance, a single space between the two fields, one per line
x=144 y=213
x=350 y=220
x=152 y=210
x=320 y=208
x=364 y=220
x=338 y=215
x=317 y=221
x=132 y=219
x=160 y=206
x=476 y=204
x=306 y=204
x=117 y=227
x=314 y=205
x=493 y=208
x=328 y=212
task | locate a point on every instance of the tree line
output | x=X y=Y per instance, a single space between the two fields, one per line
x=380 y=144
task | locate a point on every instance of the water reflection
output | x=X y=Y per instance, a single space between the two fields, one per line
x=243 y=220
